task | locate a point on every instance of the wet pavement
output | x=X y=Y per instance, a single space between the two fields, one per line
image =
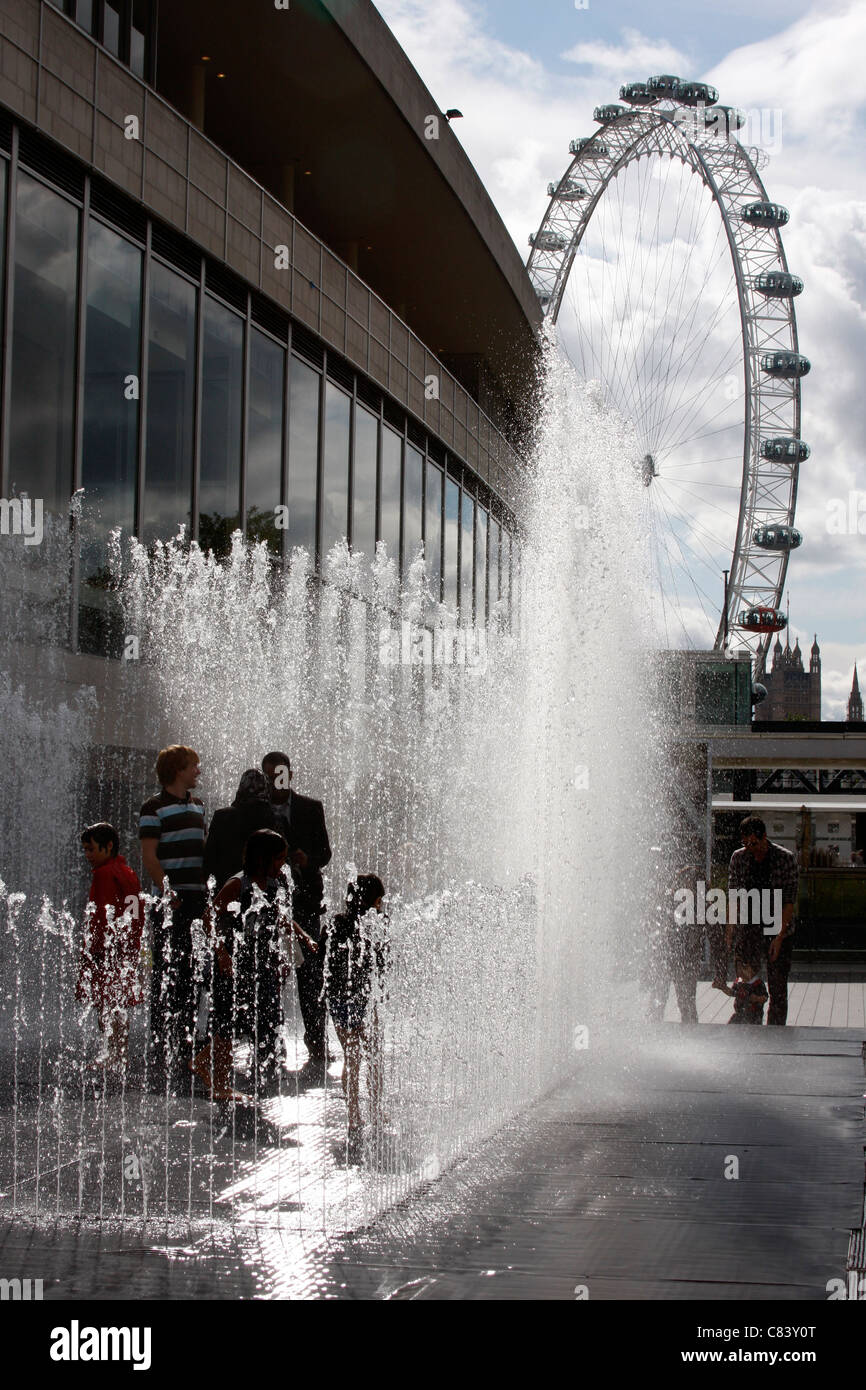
x=720 y=1163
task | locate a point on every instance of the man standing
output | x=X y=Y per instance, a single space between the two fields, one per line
x=172 y=833
x=302 y=821
x=763 y=865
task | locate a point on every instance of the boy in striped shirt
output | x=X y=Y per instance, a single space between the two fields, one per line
x=172 y=833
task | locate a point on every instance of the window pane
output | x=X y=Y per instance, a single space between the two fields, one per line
x=335 y=486
x=43 y=345
x=84 y=14
x=433 y=529
x=392 y=453
x=412 y=504
x=467 y=556
x=221 y=424
x=480 y=565
x=110 y=399
x=505 y=570
x=364 y=516
x=111 y=27
x=2 y=232
x=452 y=523
x=303 y=454
x=138 y=37
x=265 y=442
x=170 y=401
x=493 y=562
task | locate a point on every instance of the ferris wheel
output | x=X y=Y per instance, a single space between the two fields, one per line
x=661 y=258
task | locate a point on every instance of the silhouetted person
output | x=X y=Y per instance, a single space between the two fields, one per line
x=172 y=832
x=302 y=821
x=676 y=948
x=108 y=978
x=763 y=865
x=233 y=825
x=748 y=992
x=356 y=958
x=251 y=955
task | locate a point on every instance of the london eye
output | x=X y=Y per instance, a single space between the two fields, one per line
x=661 y=259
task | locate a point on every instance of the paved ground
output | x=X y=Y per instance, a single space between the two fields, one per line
x=816 y=1003
x=707 y=1163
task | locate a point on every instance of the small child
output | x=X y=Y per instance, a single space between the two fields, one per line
x=356 y=961
x=108 y=977
x=749 y=992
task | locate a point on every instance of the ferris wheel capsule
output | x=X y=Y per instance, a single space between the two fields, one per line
x=695 y=94
x=785 y=364
x=765 y=215
x=785 y=450
x=567 y=191
x=637 y=94
x=763 y=620
x=603 y=114
x=759 y=693
x=589 y=147
x=548 y=241
x=722 y=117
x=777 y=536
x=778 y=284
x=663 y=86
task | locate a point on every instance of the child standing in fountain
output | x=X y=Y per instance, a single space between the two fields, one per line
x=356 y=959
x=108 y=977
x=748 y=991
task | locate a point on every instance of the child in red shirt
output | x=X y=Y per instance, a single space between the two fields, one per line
x=108 y=977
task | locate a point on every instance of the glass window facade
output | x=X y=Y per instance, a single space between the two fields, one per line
x=493 y=562
x=304 y=389
x=171 y=360
x=365 y=470
x=433 y=529
x=392 y=460
x=221 y=426
x=112 y=384
x=335 y=480
x=123 y=27
x=467 y=557
x=452 y=535
x=264 y=480
x=191 y=410
x=480 y=565
x=41 y=412
x=413 y=504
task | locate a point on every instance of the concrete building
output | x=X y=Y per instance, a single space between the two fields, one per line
x=250 y=279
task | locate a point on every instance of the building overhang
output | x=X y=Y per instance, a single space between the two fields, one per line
x=320 y=104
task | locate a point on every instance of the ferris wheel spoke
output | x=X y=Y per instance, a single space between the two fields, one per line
x=681 y=327
x=712 y=545
x=687 y=571
x=691 y=348
x=730 y=351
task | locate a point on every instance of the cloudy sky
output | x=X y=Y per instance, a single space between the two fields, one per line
x=527 y=74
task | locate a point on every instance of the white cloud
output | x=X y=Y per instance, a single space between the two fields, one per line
x=635 y=59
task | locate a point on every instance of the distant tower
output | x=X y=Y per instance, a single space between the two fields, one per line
x=855 y=702
x=793 y=692
x=815 y=683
